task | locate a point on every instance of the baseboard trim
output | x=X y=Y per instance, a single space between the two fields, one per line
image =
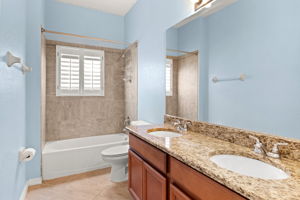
x=24 y=192
x=34 y=181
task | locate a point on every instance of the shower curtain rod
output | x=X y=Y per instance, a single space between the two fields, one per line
x=185 y=52
x=82 y=36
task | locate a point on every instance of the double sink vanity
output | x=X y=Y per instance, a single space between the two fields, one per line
x=233 y=63
x=183 y=160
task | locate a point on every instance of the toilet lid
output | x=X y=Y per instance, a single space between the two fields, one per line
x=121 y=150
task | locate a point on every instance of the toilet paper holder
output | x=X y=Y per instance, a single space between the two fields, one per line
x=26 y=154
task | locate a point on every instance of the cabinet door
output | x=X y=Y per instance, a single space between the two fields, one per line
x=135 y=175
x=177 y=194
x=154 y=184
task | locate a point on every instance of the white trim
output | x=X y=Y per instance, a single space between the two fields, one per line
x=30 y=182
x=24 y=192
x=204 y=12
x=34 y=181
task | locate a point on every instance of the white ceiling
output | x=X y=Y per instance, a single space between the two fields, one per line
x=117 y=7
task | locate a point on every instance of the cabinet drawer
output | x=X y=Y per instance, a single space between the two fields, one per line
x=197 y=185
x=154 y=156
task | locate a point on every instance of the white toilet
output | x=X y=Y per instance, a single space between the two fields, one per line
x=117 y=156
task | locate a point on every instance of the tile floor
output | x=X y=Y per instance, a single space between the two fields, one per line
x=88 y=186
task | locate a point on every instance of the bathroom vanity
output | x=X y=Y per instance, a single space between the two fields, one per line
x=155 y=175
x=182 y=168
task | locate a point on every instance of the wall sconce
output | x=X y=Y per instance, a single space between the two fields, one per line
x=203 y=4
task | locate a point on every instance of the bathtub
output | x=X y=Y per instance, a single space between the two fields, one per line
x=74 y=156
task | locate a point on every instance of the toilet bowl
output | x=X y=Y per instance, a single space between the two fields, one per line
x=117 y=156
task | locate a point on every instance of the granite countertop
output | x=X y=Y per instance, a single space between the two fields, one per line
x=194 y=149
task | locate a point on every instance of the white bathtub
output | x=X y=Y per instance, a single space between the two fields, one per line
x=73 y=156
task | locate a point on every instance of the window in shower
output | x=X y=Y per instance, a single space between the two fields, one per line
x=79 y=72
x=169 y=77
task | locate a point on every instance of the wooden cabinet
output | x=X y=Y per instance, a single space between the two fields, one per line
x=145 y=183
x=177 y=194
x=152 y=155
x=154 y=175
x=154 y=184
x=135 y=176
x=197 y=185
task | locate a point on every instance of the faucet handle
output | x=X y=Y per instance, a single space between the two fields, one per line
x=275 y=147
x=188 y=122
x=176 y=122
x=255 y=138
x=258 y=146
x=186 y=125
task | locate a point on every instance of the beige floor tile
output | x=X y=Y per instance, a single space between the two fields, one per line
x=115 y=191
x=94 y=185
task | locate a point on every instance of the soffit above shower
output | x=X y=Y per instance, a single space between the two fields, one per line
x=117 y=7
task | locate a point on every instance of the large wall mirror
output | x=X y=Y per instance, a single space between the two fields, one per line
x=237 y=66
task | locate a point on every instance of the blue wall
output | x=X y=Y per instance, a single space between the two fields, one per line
x=191 y=37
x=260 y=39
x=35 y=19
x=12 y=99
x=83 y=21
x=147 y=22
x=172 y=41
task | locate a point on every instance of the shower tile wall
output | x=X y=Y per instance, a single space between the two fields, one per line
x=131 y=87
x=188 y=87
x=73 y=117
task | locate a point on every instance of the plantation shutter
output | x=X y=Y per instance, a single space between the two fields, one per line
x=169 y=77
x=69 y=72
x=92 y=73
x=80 y=72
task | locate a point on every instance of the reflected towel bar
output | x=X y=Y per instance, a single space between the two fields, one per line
x=241 y=78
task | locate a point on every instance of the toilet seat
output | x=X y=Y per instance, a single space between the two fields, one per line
x=117 y=151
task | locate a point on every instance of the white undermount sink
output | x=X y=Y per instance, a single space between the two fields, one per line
x=249 y=167
x=165 y=133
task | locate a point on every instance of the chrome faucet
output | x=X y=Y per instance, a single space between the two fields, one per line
x=275 y=151
x=181 y=126
x=259 y=148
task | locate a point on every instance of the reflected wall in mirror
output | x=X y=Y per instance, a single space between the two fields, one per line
x=260 y=39
x=182 y=84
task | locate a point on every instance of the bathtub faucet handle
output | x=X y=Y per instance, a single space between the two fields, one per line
x=127 y=121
